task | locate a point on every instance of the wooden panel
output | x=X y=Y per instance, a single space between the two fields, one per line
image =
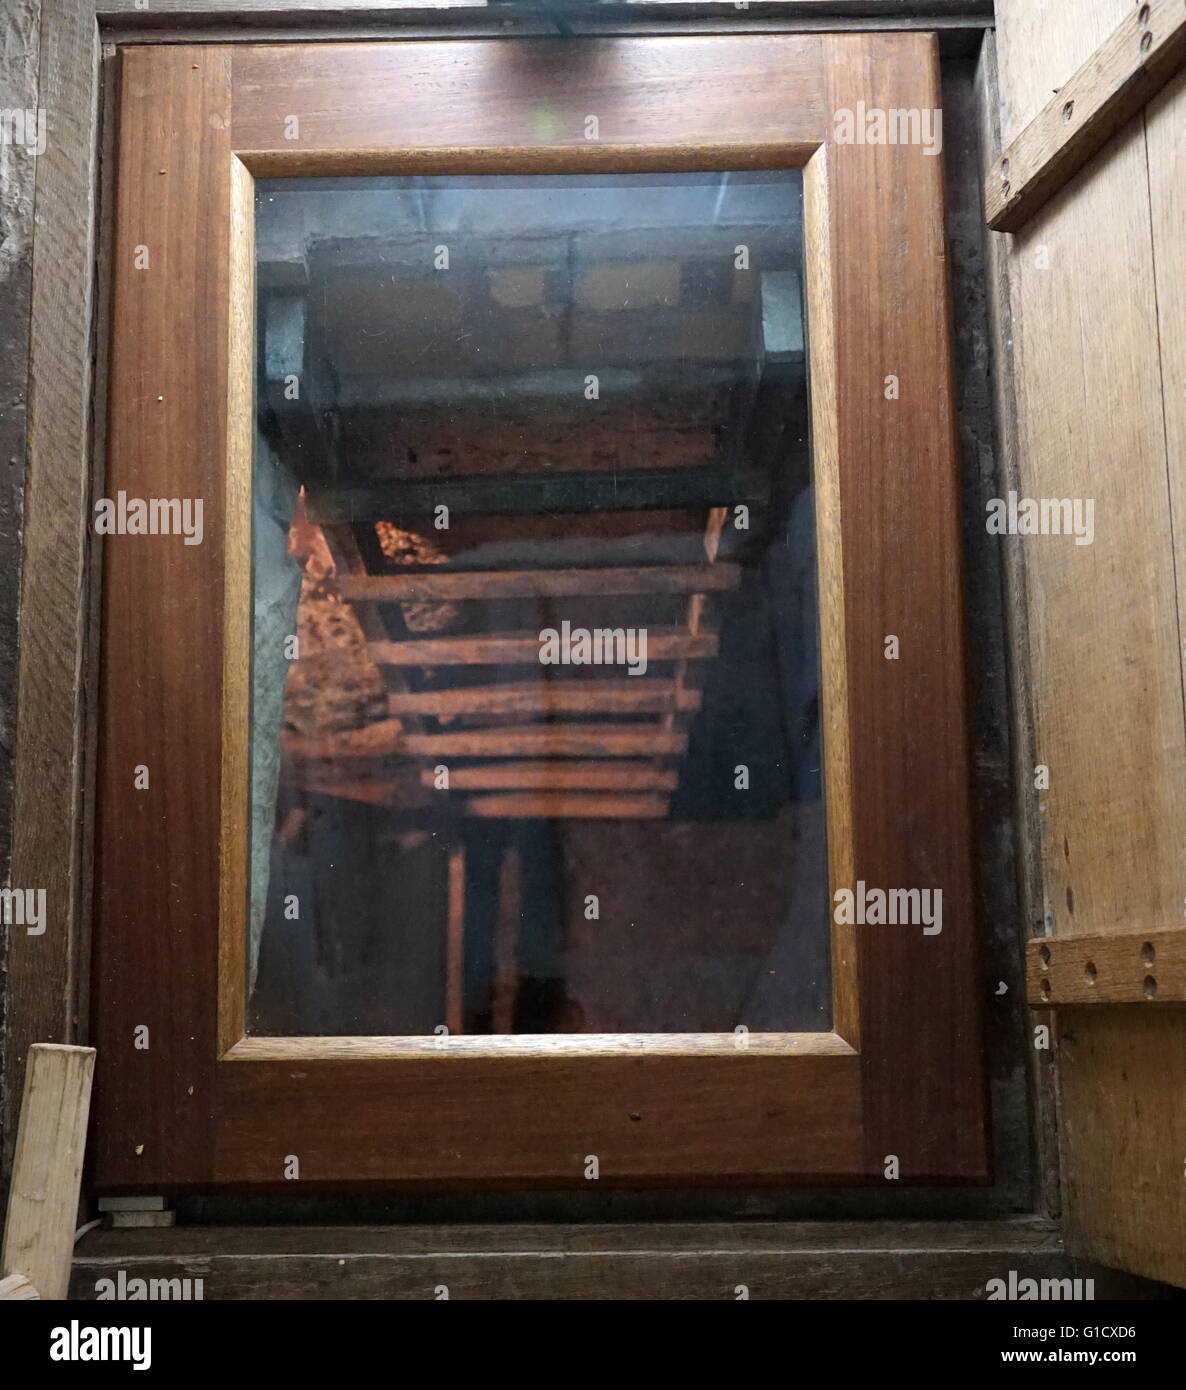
x=835 y=708
x=157 y=850
x=47 y=1169
x=685 y=1260
x=1121 y=1074
x=1121 y=968
x=1040 y=49
x=1129 y=67
x=308 y=11
x=485 y=1120
x=1165 y=121
x=1104 y=633
x=911 y=813
x=370 y=107
x=235 y=823
x=51 y=752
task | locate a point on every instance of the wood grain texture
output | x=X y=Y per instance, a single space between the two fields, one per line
x=235 y=822
x=50 y=736
x=367 y=107
x=47 y=1169
x=685 y=1260
x=1141 y=54
x=1165 y=121
x=835 y=709
x=1105 y=639
x=158 y=858
x=1096 y=407
x=1120 y=968
x=898 y=500
x=518 y=1121
x=1124 y=1128
x=346 y=9
x=19 y=48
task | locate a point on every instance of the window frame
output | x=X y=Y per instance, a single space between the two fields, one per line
x=901 y=1072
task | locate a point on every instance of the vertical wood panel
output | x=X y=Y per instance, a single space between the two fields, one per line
x=43 y=1202
x=912 y=824
x=46 y=843
x=1097 y=402
x=1106 y=669
x=157 y=863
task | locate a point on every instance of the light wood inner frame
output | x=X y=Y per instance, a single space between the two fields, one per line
x=235 y=1044
x=685 y=104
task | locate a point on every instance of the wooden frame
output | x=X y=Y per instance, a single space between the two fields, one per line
x=189 y=1110
x=55 y=311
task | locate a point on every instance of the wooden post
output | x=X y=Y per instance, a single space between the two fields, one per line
x=455 y=944
x=47 y=1170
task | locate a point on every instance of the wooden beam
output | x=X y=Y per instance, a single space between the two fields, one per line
x=1138 y=58
x=384 y=739
x=558 y=776
x=637 y=695
x=506 y=942
x=455 y=943
x=494 y=584
x=497 y=650
x=574 y=1261
x=571 y=805
x=1116 y=968
x=551 y=741
x=350 y=565
x=641 y=489
x=838 y=14
x=47 y=1170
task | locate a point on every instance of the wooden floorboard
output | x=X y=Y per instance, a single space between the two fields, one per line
x=842 y=1259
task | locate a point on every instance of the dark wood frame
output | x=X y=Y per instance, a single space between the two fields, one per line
x=901 y=1074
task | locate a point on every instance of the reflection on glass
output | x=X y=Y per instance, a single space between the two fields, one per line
x=536 y=738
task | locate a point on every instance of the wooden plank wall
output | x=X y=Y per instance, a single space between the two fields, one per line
x=1097 y=286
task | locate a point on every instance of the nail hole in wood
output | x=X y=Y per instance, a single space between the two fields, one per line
x=1146 y=41
x=1143 y=16
x=1046 y=990
x=1068 y=110
x=1044 y=954
x=1148 y=953
x=1150 y=987
x=1089 y=972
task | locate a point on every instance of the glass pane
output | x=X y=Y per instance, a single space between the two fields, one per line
x=536 y=739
